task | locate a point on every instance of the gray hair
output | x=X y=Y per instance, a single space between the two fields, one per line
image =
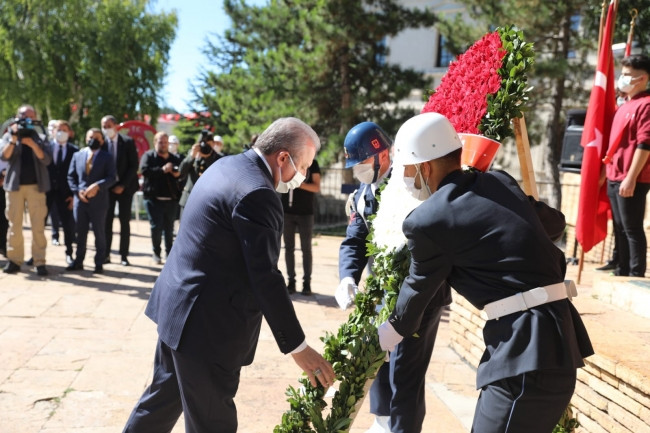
x=287 y=133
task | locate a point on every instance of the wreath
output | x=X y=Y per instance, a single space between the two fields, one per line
x=482 y=90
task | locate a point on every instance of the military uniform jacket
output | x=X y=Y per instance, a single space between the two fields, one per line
x=483 y=236
x=353 y=252
x=222 y=275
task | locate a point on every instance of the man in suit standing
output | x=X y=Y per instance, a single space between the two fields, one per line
x=125 y=158
x=60 y=197
x=480 y=234
x=91 y=174
x=219 y=281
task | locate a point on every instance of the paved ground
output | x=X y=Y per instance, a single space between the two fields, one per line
x=76 y=350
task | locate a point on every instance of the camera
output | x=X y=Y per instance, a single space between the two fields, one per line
x=27 y=128
x=203 y=143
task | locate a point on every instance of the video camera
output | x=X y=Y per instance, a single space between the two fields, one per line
x=26 y=128
x=203 y=143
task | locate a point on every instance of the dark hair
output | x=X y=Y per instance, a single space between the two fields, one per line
x=637 y=61
x=452 y=157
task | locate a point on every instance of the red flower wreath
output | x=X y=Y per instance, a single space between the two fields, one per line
x=462 y=94
x=487 y=85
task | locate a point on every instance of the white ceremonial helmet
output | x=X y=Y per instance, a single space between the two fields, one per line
x=425 y=137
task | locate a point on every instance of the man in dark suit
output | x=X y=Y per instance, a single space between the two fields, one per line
x=91 y=174
x=480 y=234
x=218 y=282
x=60 y=198
x=125 y=157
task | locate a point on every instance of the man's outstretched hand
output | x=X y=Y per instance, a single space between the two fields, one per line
x=315 y=366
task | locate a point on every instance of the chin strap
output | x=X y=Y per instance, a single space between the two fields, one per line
x=376 y=166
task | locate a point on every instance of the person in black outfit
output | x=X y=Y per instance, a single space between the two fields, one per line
x=480 y=234
x=298 y=206
x=160 y=170
x=60 y=198
x=125 y=155
x=4 y=223
x=201 y=156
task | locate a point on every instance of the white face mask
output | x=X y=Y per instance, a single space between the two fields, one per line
x=62 y=137
x=109 y=132
x=419 y=194
x=365 y=173
x=295 y=181
x=625 y=83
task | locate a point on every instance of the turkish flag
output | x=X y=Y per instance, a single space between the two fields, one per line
x=591 y=224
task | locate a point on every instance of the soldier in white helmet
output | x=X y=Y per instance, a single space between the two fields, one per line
x=480 y=234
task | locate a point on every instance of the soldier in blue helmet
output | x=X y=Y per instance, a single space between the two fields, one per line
x=368 y=152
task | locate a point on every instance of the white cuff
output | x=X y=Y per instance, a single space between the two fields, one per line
x=300 y=348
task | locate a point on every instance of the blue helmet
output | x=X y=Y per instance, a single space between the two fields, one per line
x=363 y=141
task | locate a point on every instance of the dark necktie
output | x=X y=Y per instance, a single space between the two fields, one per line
x=59 y=157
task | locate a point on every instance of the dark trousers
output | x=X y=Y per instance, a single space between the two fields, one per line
x=532 y=402
x=58 y=209
x=304 y=224
x=161 y=221
x=124 y=202
x=85 y=214
x=399 y=388
x=4 y=223
x=627 y=215
x=202 y=390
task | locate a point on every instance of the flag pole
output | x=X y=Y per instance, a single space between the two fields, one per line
x=630 y=35
x=602 y=26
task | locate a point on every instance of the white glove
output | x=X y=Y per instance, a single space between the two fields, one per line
x=388 y=337
x=345 y=293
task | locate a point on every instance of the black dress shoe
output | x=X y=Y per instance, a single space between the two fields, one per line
x=306 y=289
x=291 y=287
x=107 y=259
x=30 y=262
x=125 y=261
x=11 y=268
x=41 y=270
x=609 y=266
x=75 y=267
x=68 y=259
x=99 y=269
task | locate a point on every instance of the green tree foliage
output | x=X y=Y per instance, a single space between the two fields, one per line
x=320 y=60
x=81 y=59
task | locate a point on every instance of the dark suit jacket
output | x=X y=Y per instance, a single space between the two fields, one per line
x=126 y=164
x=222 y=275
x=102 y=172
x=480 y=233
x=59 y=171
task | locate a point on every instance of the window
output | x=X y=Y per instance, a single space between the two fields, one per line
x=445 y=57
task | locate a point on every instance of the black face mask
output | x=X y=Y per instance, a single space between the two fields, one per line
x=94 y=144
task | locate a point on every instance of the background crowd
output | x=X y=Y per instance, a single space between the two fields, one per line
x=83 y=188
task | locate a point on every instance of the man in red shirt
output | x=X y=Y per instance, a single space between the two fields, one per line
x=628 y=173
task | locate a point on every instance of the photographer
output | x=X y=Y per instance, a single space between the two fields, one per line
x=26 y=182
x=160 y=170
x=201 y=156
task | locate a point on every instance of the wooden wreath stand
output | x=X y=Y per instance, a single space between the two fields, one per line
x=525 y=161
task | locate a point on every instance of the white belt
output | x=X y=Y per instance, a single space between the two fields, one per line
x=532 y=298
